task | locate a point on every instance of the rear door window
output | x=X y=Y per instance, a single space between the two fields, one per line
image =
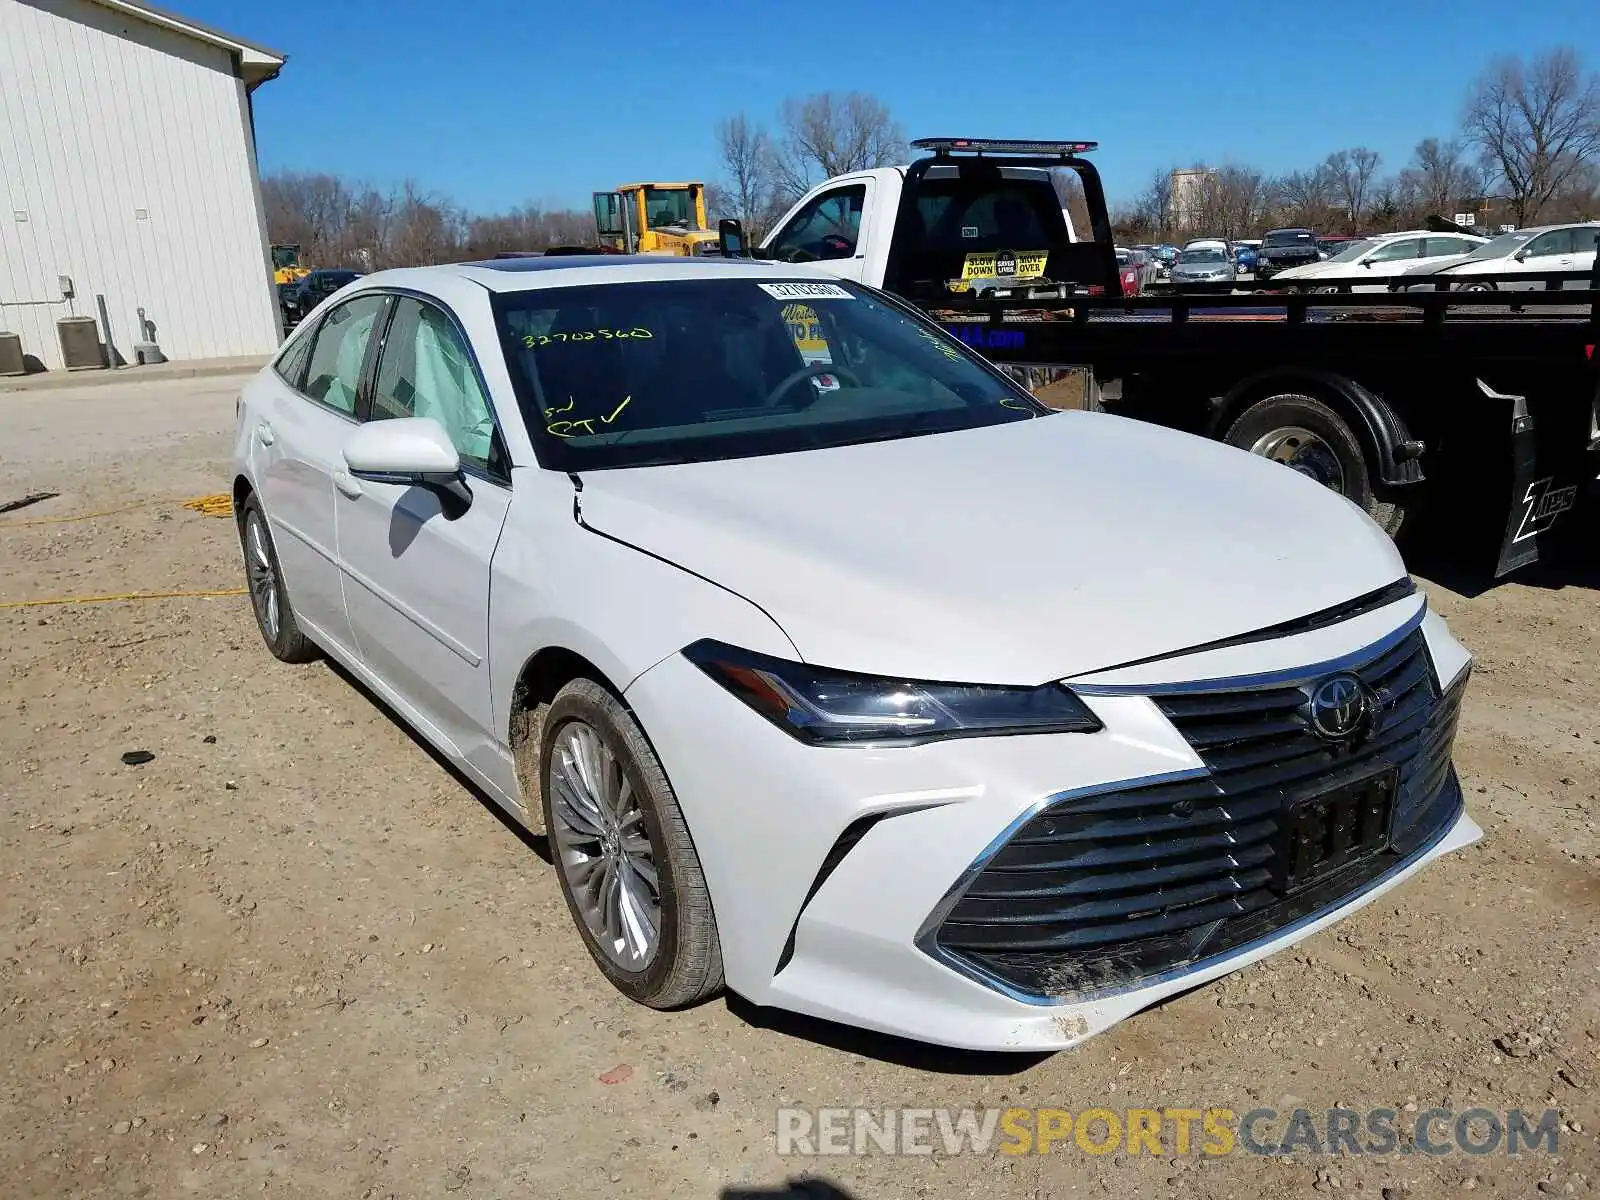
x=340 y=350
x=291 y=363
x=1395 y=251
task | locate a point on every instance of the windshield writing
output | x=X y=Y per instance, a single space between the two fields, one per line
x=701 y=369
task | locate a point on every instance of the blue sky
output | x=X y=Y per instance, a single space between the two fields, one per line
x=498 y=103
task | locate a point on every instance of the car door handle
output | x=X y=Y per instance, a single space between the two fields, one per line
x=348 y=484
x=264 y=434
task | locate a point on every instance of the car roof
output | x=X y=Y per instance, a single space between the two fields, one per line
x=574 y=270
x=1553 y=228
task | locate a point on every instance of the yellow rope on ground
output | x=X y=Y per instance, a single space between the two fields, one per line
x=119 y=596
x=218 y=504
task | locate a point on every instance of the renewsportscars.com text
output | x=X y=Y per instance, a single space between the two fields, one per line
x=1211 y=1131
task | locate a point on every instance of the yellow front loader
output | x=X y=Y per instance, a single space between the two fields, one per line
x=653 y=218
x=286 y=266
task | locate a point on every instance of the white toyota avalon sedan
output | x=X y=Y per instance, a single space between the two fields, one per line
x=838 y=670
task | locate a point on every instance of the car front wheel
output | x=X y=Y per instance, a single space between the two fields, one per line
x=627 y=866
x=269 y=598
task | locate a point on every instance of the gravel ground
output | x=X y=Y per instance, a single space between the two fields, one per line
x=294 y=955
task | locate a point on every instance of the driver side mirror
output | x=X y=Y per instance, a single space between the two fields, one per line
x=410 y=452
x=730 y=238
x=1521 y=255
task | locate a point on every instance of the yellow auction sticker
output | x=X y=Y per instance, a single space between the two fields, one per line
x=1005 y=264
x=805 y=330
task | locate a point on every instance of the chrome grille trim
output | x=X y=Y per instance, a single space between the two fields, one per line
x=1150 y=877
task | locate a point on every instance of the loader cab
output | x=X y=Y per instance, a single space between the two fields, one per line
x=653 y=218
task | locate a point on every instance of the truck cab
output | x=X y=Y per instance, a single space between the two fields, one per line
x=948 y=225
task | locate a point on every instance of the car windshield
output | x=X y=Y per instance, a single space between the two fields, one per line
x=1289 y=237
x=1501 y=246
x=1203 y=255
x=632 y=374
x=1353 y=250
x=1124 y=258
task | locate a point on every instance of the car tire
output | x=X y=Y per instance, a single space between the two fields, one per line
x=1487 y=286
x=1306 y=434
x=586 y=733
x=269 y=597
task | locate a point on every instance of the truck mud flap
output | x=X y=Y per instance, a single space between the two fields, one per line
x=1547 y=468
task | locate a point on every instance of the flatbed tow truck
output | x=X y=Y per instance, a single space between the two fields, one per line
x=1444 y=413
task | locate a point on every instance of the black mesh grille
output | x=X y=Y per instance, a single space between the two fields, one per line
x=1097 y=892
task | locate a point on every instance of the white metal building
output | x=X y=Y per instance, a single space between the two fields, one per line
x=128 y=170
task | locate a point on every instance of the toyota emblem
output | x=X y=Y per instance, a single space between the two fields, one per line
x=1341 y=706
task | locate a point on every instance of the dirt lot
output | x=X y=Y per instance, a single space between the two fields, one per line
x=293 y=955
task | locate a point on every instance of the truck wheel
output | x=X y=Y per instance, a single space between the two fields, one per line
x=1305 y=435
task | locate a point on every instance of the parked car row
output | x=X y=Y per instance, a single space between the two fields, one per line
x=1531 y=251
x=1304 y=261
x=1371 y=264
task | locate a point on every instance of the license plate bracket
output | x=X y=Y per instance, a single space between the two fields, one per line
x=1320 y=834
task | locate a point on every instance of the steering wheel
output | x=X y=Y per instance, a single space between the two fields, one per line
x=807 y=372
x=799 y=254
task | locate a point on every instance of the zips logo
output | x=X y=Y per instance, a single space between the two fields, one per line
x=1542 y=505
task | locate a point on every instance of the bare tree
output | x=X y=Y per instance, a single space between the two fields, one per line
x=1388 y=208
x=1439 y=178
x=1240 y=193
x=746 y=151
x=828 y=134
x=1350 y=173
x=311 y=210
x=1303 y=198
x=1579 y=198
x=1154 y=204
x=1535 y=124
x=527 y=228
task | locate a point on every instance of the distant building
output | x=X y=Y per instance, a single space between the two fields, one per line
x=129 y=171
x=1188 y=187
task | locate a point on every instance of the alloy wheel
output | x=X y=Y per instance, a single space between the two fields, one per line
x=263 y=580
x=603 y=849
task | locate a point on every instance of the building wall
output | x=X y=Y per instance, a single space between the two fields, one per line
x=127 y=163
x=1188 y=187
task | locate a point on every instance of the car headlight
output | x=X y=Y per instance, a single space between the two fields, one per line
x=826 y=707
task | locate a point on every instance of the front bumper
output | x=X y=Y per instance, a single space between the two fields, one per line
x=833 y=871
x=1266 y=268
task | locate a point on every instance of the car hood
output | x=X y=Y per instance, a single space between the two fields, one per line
x=1435 y=266
x=1314 y=270
x=1202 y=268
x=1017 y=553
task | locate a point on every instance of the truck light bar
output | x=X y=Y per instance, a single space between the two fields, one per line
x=943 y=146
